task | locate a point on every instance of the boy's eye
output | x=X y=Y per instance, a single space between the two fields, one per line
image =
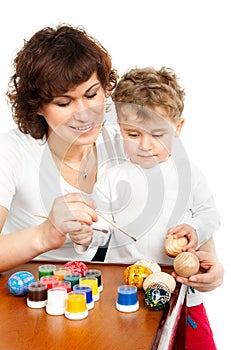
x=157 y=135
x=133 y=134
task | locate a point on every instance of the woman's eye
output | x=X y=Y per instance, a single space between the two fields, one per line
x=91 y=95
x=63 y=104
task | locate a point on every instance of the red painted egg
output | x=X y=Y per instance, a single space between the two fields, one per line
x=76 y=267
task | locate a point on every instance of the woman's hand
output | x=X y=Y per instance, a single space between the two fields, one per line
x=69 y=214
x=83 y=236
x=210 y=275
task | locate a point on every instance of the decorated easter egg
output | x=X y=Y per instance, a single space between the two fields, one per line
x=157 y=296
x=161 y=276
x=173 y=246
x=186 y=264
x=136 y=274
x=76 y=267
x=18 y=283
x=152 y=265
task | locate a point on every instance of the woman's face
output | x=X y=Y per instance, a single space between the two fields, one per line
x=77 y=115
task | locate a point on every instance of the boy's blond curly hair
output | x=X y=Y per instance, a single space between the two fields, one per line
x=148 y=87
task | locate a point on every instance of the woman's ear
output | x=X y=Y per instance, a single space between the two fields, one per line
x=179 y=127
x=40 y=112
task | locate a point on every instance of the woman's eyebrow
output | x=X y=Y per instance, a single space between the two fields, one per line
x=98 y=83
x=89 y=89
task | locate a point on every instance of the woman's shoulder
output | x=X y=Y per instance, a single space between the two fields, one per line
x=15 y=138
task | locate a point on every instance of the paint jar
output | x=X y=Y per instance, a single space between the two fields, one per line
x=46 y=270
x=56 y=301
x=127 y=298
x=60 y=272
x=37 y=295
x=62 y=284
x=48 y=281
x=88 y=291
x=95 y=273
x=73 y=278
x=91 y=282
x=76 y=306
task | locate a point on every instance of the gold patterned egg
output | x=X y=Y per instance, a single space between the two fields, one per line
x=186 y=264
x=173 y=246
x=152 y=265
x=136 y=274
x=160 y=277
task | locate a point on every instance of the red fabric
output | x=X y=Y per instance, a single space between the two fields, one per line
x=200 y=337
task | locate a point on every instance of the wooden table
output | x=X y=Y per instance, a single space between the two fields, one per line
x=105 y=328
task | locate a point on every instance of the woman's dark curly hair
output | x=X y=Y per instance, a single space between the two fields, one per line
x=52 y=62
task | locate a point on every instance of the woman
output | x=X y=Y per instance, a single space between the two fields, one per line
x=58 y=92
x=61 y=81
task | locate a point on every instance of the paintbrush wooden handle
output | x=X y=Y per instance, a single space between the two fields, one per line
x=114 y=225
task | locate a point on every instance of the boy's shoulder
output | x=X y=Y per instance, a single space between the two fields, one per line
x=125 y=171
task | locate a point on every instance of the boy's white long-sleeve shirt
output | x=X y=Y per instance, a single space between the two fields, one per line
x=146 y=203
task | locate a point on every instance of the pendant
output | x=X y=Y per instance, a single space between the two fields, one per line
x=85 y=175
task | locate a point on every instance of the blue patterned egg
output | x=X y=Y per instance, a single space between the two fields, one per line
x=18 y=283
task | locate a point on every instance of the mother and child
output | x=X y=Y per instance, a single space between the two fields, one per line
x=69 y=159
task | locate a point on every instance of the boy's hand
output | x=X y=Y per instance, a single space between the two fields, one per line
x=185 y=230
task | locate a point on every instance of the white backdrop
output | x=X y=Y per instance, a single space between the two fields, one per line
x=193 y=38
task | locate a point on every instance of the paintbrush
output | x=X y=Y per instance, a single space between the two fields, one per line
x=94 y=228
x=111 y=223
x=114 y=225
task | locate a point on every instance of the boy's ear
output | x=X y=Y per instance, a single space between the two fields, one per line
x=179 y=127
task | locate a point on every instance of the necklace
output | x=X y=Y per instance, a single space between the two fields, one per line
x=83 y=172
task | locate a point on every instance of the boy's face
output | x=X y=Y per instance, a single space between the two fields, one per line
x=148 y=142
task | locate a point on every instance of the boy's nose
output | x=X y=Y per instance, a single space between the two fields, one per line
x=146 y=144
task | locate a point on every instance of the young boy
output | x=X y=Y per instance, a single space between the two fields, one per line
x=157 y=190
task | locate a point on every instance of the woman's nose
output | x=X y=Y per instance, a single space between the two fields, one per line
x=81 y=111
x=82 y=115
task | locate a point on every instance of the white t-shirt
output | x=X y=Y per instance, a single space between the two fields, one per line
x=30 y=181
